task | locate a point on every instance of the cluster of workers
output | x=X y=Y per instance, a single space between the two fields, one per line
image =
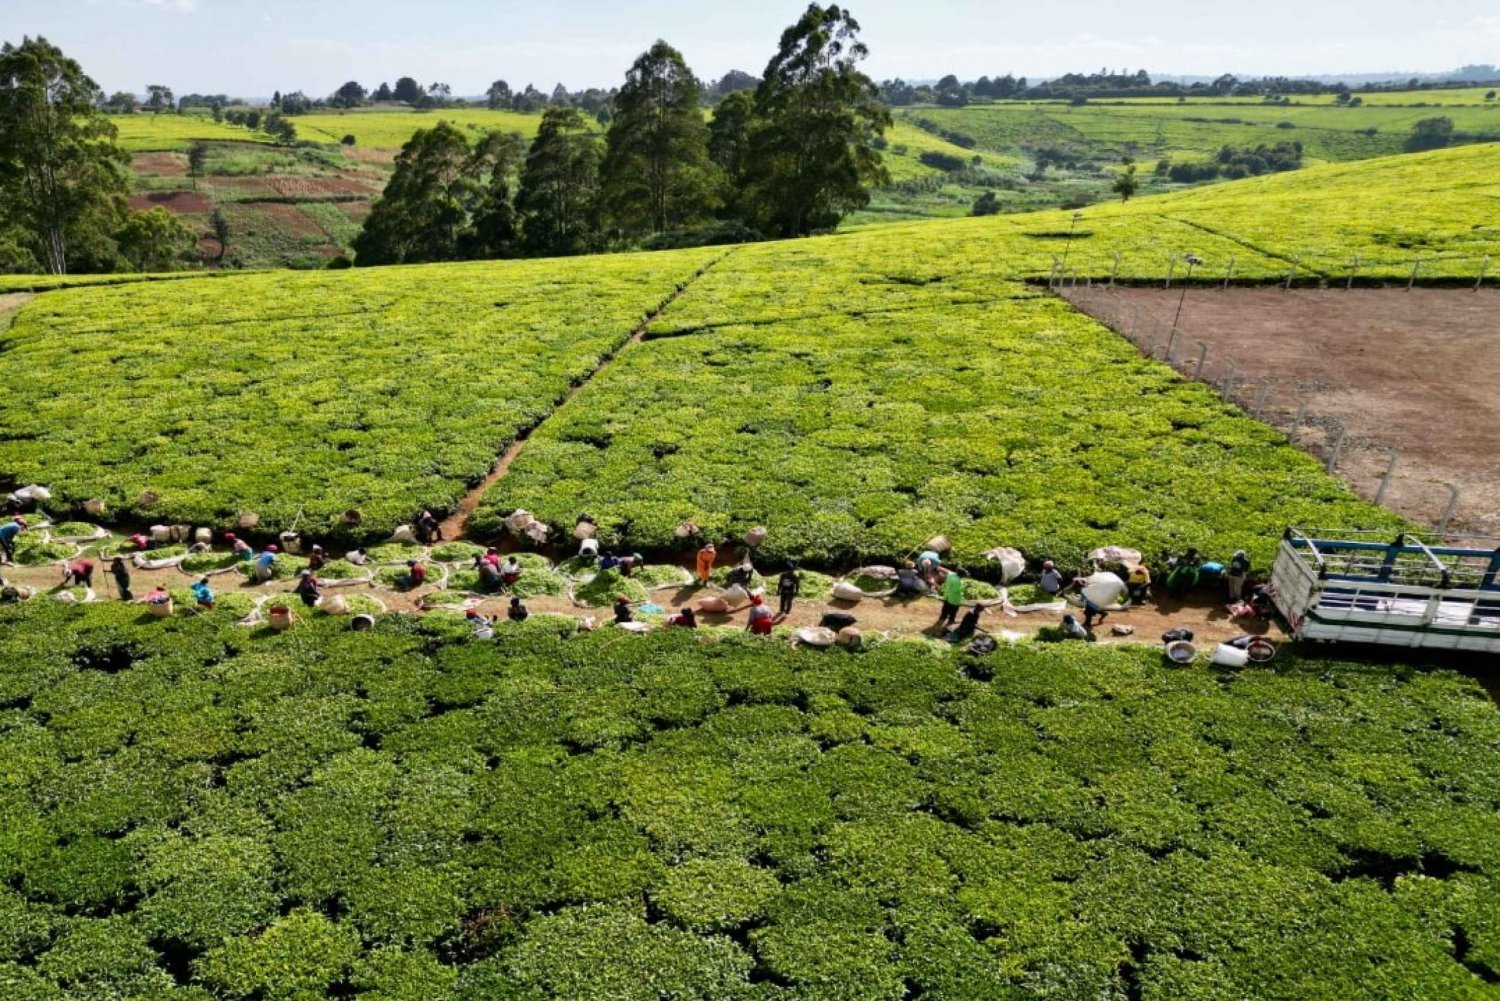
x=917 y=577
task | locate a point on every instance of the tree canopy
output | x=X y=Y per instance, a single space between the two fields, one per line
x=656 y=173
x=445 y=200
x=816 y=114
x=559 y=188
x=63 y=180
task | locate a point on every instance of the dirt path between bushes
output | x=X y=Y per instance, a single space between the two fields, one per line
x=1203 y=612
x=456 y=525
x=10 y=305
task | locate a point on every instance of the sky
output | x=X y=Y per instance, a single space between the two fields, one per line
x=252 y=47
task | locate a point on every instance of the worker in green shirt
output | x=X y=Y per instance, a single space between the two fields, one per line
x=953 y=596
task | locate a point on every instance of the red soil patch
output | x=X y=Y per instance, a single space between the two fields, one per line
x=292 y=186
x=356 y=211
x=160 y=164
x=1411 y=371
x=288 y=218
x=243 y=185
x=181 y=202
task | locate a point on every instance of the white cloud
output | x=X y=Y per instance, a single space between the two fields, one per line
x=175 y=6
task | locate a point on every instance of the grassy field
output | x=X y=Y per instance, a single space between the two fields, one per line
x=390 y=129
x=192 y=811
x=1096 y=137
x=140 y=133
x=1196 y=131
x=964 y=402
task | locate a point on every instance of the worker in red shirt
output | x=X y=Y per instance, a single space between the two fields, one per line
x=415 y=576
x=761 y=617
x=79 y=573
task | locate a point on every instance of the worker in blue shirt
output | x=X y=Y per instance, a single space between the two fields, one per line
x=265 y=564
x=8 y=533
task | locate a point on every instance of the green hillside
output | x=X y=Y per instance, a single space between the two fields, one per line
x=392 y=389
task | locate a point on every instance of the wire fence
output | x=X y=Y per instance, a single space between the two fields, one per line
x=1440 y=270
x=1289 y=406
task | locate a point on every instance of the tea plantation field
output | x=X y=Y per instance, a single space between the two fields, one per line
x=372 y=128
x=856 y=393
x=1197 y=130
x=190 y=811
x=285 y=392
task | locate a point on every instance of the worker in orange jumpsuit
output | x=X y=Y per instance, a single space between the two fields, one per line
x=706 y=557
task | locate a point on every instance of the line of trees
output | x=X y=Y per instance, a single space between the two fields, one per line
x=64 y=181
x=1105 y=84
x=789 y=157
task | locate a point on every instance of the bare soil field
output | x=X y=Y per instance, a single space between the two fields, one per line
x=181 y=202
x=1415 y=371
x=160 y=164
x=288 y=218
x=311 y=188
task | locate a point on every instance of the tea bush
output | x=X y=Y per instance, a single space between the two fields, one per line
x=278 y=393
x=189 y=810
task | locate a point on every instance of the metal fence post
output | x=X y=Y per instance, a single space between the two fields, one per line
x=1297 y=421
x=1483 y=267
x=1385 y=481
x=1171 y=270
x=1353 y=270
x=1115 y=271
x=1416 y=266
x=1442 y=525
x=1228 y=272
x=1260 y=401
x=1202 y=357
x=1338 y=448
x=1291 y=272
x=1229 y=381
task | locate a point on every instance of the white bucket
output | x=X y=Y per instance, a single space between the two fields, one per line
x=1229 y=656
